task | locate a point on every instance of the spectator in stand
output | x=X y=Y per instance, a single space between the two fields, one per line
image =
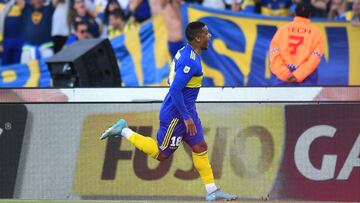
x=124 y=3
x=111 y=6
x=79 y=13
x=234 y=5
x=37 y=19
x=336 y=9
x=116 y=23
x=349 y=4
x=275 y=7
x=170 y=10
x=10 y=32
x=320 y=8
x=81 y=32
x=353 y=16
x=60 y=27
x=139 y=10
x=217 y=4
x=296 y=50
x=90 y=5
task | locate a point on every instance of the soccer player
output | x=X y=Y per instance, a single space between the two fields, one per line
x=179 y=120
x=296 y=50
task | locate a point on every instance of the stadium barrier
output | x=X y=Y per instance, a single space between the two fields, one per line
x=208 y=94
x=257 y=150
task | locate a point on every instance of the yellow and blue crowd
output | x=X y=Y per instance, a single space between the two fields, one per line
x=35 y=29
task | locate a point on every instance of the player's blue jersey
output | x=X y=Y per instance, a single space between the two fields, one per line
x=185 y=81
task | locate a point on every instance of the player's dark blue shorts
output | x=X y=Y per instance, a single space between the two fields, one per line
x=171 y=133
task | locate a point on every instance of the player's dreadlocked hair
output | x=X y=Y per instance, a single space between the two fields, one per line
x=193 y=29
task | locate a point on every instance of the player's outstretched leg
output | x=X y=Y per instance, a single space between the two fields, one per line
x=145 y=144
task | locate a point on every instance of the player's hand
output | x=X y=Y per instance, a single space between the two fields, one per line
x=291 y=78
x=190 y=127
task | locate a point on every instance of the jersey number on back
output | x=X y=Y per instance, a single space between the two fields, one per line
x=294 y=43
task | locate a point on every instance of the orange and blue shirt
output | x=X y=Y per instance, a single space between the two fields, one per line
x=296 y=48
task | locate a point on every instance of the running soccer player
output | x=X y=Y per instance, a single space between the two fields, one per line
x=179 y=120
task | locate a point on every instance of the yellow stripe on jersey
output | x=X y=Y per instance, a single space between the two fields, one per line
x=195 y=82
x=15 y=11
x=169 y=133
x=192 y=55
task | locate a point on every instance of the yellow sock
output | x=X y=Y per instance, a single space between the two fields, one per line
x=202 y=164
x=145 y=144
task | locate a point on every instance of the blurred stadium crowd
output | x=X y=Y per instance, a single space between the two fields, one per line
x=34 y=29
